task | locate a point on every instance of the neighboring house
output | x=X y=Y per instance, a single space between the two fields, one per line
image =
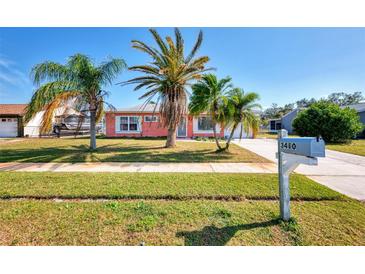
x=140 y=121
x=64 y=117
x=360 y=109
x=11 y=120
x=285 y=122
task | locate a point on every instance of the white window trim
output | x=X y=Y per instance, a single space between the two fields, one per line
x=157 y=119
x=117 y=124
x=196 y=130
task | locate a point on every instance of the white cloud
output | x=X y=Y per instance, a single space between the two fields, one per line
x=4 y=62
x=10 y=74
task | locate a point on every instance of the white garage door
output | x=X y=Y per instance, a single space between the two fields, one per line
x=8 y=127
x=236 y=133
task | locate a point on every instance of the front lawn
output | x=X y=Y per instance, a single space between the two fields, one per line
x=177 y=186
x=272 y=135
x=120 y=150
x=171 y=209
x=356 y=147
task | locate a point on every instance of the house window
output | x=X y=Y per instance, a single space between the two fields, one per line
x=151 y=118
x=129 y=123
x=272 y=125
x=133 y=123
x=124 y=123
x=205 y=123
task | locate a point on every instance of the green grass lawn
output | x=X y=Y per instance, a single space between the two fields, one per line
x=268 y=135
x=272 y=135
x=356 y=147
x=119 y=150
x=157 y=185
x=172 y=209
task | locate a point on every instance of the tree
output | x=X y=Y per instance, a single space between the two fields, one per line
x=344 y=99
x=328 y=120
x=240 y=111
x=338 y=98
x=209 y=96
x=304 y=103
x=78 y=81
x=168 y=76
x=275 y=111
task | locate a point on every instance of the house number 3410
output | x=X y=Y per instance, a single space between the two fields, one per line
x=292 y=146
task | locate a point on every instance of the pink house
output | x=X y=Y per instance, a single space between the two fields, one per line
x=141 y=121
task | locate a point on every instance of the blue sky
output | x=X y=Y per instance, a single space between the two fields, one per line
x=281 y=64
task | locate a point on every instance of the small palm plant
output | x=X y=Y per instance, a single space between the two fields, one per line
x=209 y=96
x=79 y=81
x=240 y=111
x=168 y=76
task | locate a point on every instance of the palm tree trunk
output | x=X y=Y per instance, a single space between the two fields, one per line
x=230 y=136
x=171 y=137
x=241 y=131
x=92 y=129
x=215 y=136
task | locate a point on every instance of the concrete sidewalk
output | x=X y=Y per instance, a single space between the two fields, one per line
x=142 y=167
x=339 y=171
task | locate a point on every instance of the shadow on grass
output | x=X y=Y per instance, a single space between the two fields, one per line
x=215 y=236
x=43 y=155
x=110 y=153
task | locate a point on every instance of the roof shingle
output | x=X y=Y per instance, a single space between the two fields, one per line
x=12 y=109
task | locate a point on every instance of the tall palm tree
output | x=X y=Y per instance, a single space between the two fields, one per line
x=168 y=76
x=241 y=112
x=78 y=81
x=209 y=96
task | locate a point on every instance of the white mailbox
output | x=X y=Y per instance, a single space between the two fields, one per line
x=305 y=146
x=291 y=153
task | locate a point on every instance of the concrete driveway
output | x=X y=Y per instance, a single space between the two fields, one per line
x=339 y=171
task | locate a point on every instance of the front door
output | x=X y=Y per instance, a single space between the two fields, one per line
x=181 y=129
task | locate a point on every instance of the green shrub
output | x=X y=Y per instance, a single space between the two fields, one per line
x=334 y=124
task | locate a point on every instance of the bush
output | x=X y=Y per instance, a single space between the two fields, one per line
x=328 y=120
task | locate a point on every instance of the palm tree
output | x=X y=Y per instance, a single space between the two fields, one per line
x=209 y=96
x=241 y=112
x=78 y=81
x=168 y=76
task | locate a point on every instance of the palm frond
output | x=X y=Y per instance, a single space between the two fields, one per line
x=44 y=95
x=157 y=56
x=195 y=47
x=160 y=42
x=146 y=69
x=110 y=69
x=49 y=71
x=60 y=100
x=99 y=112
x=179 y=43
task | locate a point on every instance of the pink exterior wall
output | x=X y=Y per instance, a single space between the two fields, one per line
x=149 y=129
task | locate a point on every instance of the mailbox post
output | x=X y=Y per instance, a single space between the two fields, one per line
x=291 y=153
x=284 y=191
